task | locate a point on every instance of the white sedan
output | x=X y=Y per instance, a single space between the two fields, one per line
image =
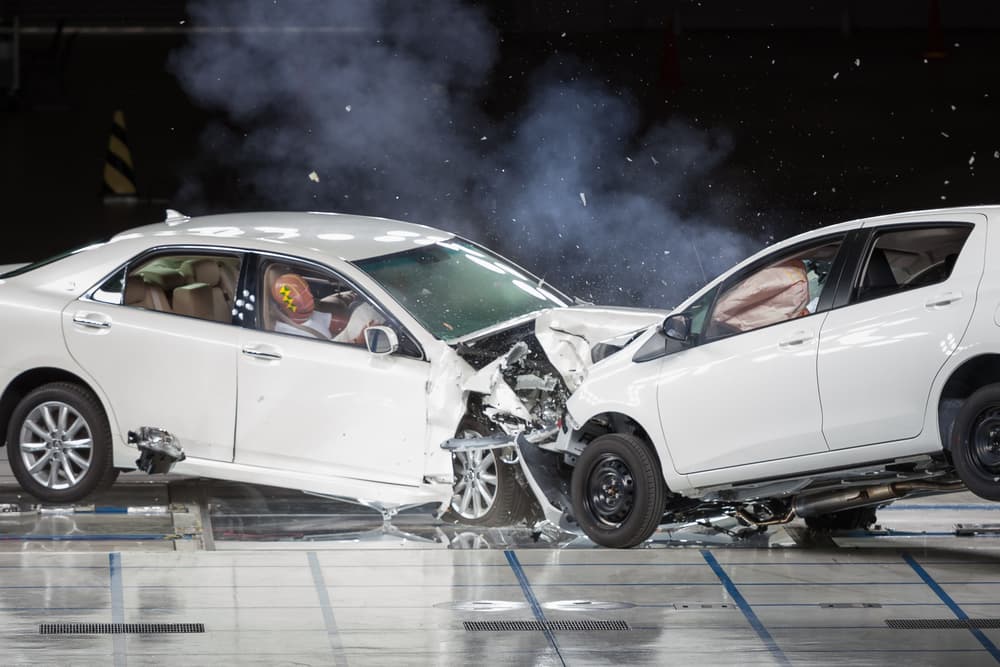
x=828 y=374
x=328 y=353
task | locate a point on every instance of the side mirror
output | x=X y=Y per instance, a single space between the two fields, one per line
x=677 y=327
x=381 y=340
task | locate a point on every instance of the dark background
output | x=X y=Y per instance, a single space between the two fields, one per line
x=825 y=110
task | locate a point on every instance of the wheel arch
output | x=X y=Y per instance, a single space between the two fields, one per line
x=28 y=381
x=613 y=422
x=972 y=375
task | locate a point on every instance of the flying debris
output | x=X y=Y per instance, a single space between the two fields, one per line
x=583 y=198
x=314 y=177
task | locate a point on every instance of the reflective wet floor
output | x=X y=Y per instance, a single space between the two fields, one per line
x=192 y=572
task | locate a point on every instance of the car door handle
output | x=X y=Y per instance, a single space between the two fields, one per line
x=265 y=352
x=92 y=320
x=945 y=299
x=797 y=338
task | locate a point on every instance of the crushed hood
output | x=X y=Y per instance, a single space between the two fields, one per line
x=568 y=335
x=534 y=367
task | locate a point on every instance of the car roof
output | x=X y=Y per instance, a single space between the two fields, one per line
x=349 y=237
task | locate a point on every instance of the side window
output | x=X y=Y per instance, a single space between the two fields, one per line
x=111 y=290
x=910 y=258
x=784 y=289
x=200 y=286
x=303 y=301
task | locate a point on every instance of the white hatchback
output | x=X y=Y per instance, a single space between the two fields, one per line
x=826 y=375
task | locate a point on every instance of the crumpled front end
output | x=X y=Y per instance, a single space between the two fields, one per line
x=524 y=376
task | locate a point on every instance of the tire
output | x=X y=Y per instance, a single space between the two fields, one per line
x=858 y=518
x=975 y=445
x=617 y=491
x=59 y=444
x=486 y=491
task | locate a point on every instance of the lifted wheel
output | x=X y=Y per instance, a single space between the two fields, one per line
x=975 y=446
x=59 y=444
x=617 y=490
x=486 y=491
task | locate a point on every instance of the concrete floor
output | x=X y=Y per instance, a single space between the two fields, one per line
x=277 y=577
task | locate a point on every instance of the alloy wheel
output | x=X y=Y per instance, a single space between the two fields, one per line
x=476 y=481
x=56 y=445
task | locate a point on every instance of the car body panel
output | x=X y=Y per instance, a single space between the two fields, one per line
x=330 y=408
x=161 y=370
x=739 y=425
x=878 y=359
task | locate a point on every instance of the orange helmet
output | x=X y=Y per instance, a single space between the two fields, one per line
x=292 y=295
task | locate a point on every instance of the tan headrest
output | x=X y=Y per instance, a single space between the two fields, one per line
x=135 y=290
x=194 y=300
x=206 y=271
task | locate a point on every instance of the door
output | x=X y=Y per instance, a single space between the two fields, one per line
x=747 y=391
x=312 y=398
x=904 y=315
x=159 y=341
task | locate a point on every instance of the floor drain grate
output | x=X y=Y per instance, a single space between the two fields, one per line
x=942 y=623
x=118 y=628
x=541 y=626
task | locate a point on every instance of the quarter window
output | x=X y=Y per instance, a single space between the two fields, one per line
x=910 y=258
x=784 y=289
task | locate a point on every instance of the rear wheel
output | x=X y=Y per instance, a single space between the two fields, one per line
x=486 y=490
x=59 y=444
x=975 y=447
x=617 y=490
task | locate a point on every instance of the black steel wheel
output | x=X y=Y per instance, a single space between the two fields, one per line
x=617 y=490
x=59 y=444
x=975 y=446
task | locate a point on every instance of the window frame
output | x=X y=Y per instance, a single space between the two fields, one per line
x=848 y=292
x=825 y=303
x=165 y=251
x=250 y=281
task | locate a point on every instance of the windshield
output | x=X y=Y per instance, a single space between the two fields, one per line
x=455 y=288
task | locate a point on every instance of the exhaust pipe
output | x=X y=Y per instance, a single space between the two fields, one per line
x=829 y=502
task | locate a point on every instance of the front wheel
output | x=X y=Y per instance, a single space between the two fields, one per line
x=486 y=490
x=975 y=447
x=59 y=444
x=617 y=490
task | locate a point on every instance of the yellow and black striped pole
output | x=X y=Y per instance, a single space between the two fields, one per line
x=119 y=178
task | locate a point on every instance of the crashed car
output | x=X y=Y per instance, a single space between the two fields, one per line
x=825 y=376
x=328 y=353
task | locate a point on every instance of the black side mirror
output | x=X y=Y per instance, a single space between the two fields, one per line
x=677 y=327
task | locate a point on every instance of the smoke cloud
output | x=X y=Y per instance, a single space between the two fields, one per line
x=376 y=109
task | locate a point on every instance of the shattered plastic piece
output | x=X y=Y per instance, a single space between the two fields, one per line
x=159 y=450
x=314 y=177
x=533 y=382
x=583 y=198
